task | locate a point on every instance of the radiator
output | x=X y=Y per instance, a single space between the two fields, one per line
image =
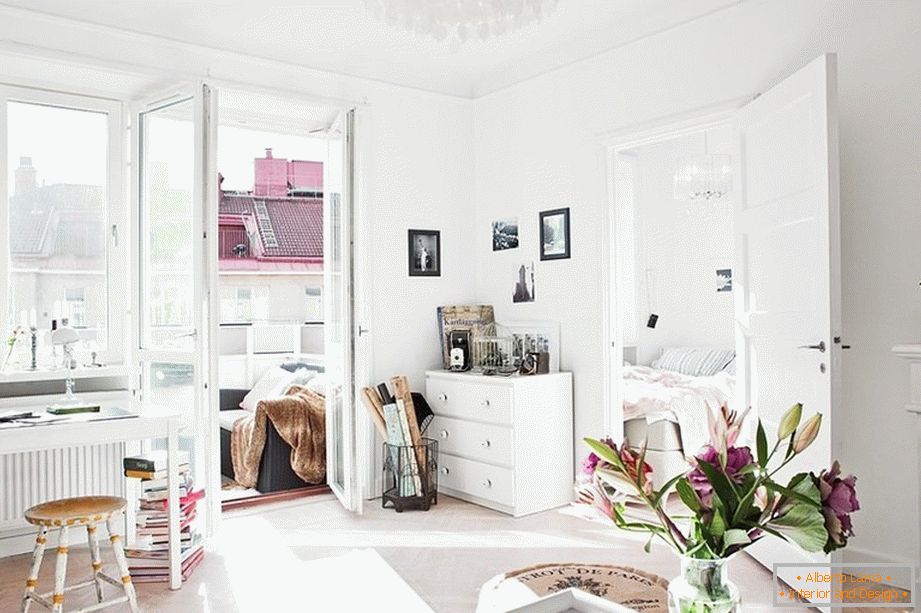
x=29 y=478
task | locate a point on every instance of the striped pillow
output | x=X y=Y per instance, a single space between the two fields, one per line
x=697 y=362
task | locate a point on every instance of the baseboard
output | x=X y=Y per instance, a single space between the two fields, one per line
x=15 y=542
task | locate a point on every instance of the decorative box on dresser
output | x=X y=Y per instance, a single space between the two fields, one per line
x=504 y=442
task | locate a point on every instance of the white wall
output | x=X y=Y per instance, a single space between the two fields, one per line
x=538 y=147
x=681 y=244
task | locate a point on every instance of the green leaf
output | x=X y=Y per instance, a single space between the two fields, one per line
x=735 y=537
x=721 y=485
x=790 y=421
x=687 y=494
x=605 y=453
x=717 y=524
x=804 y=498
x=662 y=493
x=761 y=445
x=804 y=525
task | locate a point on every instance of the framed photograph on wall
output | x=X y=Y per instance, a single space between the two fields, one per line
x=424 y=253
x=554 y=234
x=505 y=234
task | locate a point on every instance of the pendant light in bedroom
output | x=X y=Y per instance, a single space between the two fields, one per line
x=703 y=177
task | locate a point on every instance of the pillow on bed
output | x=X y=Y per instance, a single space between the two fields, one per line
x=697 y=362
x=272 y=384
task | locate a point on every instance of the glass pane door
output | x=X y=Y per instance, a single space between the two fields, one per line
x=171 y=295
x=338 y=275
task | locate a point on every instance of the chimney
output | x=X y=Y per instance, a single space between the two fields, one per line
x=26 y=176
x=268 y=153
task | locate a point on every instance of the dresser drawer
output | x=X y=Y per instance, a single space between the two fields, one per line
x=477 y=479
x=477 y=441
x=478 y=401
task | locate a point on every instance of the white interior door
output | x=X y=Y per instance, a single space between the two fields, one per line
x=340 y=330
x=788 y=299
x=174 y=190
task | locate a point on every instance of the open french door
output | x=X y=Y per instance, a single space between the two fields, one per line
x=787 y=275
x=343 y=440
x=174 y=187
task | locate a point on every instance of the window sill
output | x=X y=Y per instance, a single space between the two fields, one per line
x=26 y=376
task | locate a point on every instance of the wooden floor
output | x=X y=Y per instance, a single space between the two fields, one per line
x=260 y=562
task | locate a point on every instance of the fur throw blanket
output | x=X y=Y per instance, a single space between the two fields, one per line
x=300 y=419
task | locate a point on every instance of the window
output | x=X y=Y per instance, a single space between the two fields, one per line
x=314 y=304
x=61 y=205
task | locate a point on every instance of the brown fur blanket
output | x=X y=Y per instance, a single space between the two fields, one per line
x=300 y=419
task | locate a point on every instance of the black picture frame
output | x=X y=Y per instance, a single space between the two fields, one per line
x=556 y=253
x=430 y=240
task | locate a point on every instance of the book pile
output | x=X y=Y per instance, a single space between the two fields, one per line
x=148 y=559
x=401 y=417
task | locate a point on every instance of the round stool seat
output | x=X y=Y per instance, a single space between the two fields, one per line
x=70 y=511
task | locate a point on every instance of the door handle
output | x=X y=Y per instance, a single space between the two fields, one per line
x=820 y=347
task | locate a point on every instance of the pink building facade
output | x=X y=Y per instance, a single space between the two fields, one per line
x=278 y=177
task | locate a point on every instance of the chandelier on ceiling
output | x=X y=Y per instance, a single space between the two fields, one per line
x=703 y=177
x=460 y=19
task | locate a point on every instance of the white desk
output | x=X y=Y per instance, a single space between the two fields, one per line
x=149 y=423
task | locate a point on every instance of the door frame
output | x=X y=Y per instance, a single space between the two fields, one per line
x=612 y=143
x=362 y=281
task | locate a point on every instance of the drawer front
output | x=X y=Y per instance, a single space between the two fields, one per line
x=477 y=479
x=488 y=403
x=477 y=441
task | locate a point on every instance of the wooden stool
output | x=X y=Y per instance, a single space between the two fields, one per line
x=64 y=514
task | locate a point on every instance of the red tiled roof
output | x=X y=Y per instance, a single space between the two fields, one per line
x=297 y=223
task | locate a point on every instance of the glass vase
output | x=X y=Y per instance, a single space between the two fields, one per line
x=703 y=587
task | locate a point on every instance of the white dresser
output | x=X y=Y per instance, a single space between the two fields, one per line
x=504 y=442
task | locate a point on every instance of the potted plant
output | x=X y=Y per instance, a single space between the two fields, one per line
x=733 y=499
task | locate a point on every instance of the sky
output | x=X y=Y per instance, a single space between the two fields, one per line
x=70 y=146
x=66 y=145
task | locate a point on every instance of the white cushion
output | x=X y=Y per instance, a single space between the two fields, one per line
x=228 y=418
x=302 y=376
x=318 y=383
x=274 y=383
x=697 y=362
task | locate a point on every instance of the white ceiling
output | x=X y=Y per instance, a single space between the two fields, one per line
x=341 y=36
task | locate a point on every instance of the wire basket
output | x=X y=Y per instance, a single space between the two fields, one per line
x=410 y=475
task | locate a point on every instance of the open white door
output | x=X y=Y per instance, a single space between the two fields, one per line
x=788 y=299
x=174 y=190
x=340 y=330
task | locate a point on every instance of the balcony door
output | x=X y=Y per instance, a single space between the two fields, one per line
x=344 y=433
x=174 y=187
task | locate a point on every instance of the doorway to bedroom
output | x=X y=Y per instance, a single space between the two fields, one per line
x=674 y=252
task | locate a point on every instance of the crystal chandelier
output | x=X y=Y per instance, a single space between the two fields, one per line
x=703 y=177
x=460 y=19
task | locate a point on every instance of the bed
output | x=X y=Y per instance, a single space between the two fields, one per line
x=666 y=404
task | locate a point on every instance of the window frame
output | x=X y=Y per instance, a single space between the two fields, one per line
x=117 y=243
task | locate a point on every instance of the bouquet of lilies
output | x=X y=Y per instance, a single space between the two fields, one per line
x=732 y=493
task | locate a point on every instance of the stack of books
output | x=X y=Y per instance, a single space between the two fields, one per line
x=148 y=559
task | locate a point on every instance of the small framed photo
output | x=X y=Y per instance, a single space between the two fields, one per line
x=554 y=234
x=424 y=253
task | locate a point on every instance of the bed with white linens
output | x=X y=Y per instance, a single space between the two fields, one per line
x=666 y=404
